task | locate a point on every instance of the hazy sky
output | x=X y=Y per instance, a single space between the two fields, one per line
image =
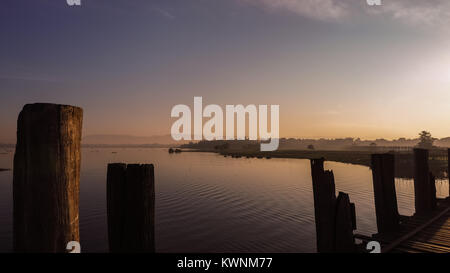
x=337 y=68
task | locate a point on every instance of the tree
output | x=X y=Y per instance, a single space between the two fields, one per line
x=310 y=147
x=426 y=141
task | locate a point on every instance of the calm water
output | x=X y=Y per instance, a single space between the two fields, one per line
x=208 y=203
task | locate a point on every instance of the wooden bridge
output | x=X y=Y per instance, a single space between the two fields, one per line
x=418 y=233
x=427 y=231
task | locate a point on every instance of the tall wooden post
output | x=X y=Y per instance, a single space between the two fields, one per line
x=324 y=205
x=344 y=225
x=131 y=208
x=383 y=168
x=116 y=208
x=433 y=198
x=422 y=185
x=46 y=179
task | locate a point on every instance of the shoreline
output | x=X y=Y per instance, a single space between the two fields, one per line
x=404 y=165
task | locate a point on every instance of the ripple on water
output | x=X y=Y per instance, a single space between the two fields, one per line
x=208 y=203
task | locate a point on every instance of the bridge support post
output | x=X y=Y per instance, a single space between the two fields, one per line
x=345 y=223
x=383 y=172
x=335 y=219
x=433 y=198
x=324 y=205
x=425 y=197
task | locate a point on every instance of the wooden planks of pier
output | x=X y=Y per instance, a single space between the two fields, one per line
x=423 y=233
x=420 y=233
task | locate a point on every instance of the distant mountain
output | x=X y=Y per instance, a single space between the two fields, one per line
x=126 y=139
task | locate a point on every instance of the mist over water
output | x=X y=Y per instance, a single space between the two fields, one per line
x=208 y=203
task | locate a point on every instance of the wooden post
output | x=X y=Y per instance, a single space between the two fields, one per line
x=46 y=179
x=345 y=223
x=131 y=208
x=383 y=167
x=324 y=205
x=116 y=208
x=422 y=186
x=448 y=170
x=433 y=198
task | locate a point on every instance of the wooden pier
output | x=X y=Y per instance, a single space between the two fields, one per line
x=418 y=234
x=427 y=231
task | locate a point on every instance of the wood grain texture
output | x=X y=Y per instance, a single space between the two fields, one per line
x=46 y=179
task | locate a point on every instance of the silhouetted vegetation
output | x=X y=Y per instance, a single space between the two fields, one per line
x=426 y=141
x=338 y=144
x=403 y=160
x=222 y=147
x=353 y=155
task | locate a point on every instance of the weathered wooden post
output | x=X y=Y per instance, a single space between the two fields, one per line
x=383 y=168
x=422 y=185
x=344 y=225
x=131 y=208
x=47 y=178
x=335 y=219
x=448 y=170
x=433 y=198
x=116 y=208
x=324 y=205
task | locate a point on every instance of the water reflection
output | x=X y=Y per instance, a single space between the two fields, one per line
x=208 y=203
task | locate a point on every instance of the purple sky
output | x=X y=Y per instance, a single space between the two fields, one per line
x=336 y=68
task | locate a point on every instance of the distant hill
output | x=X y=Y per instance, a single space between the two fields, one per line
x=287 y=143
x=126 y=139
x=443 y=142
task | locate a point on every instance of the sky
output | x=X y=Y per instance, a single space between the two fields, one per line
x=337 y=68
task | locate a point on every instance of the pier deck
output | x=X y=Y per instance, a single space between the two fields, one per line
x=426 y=233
